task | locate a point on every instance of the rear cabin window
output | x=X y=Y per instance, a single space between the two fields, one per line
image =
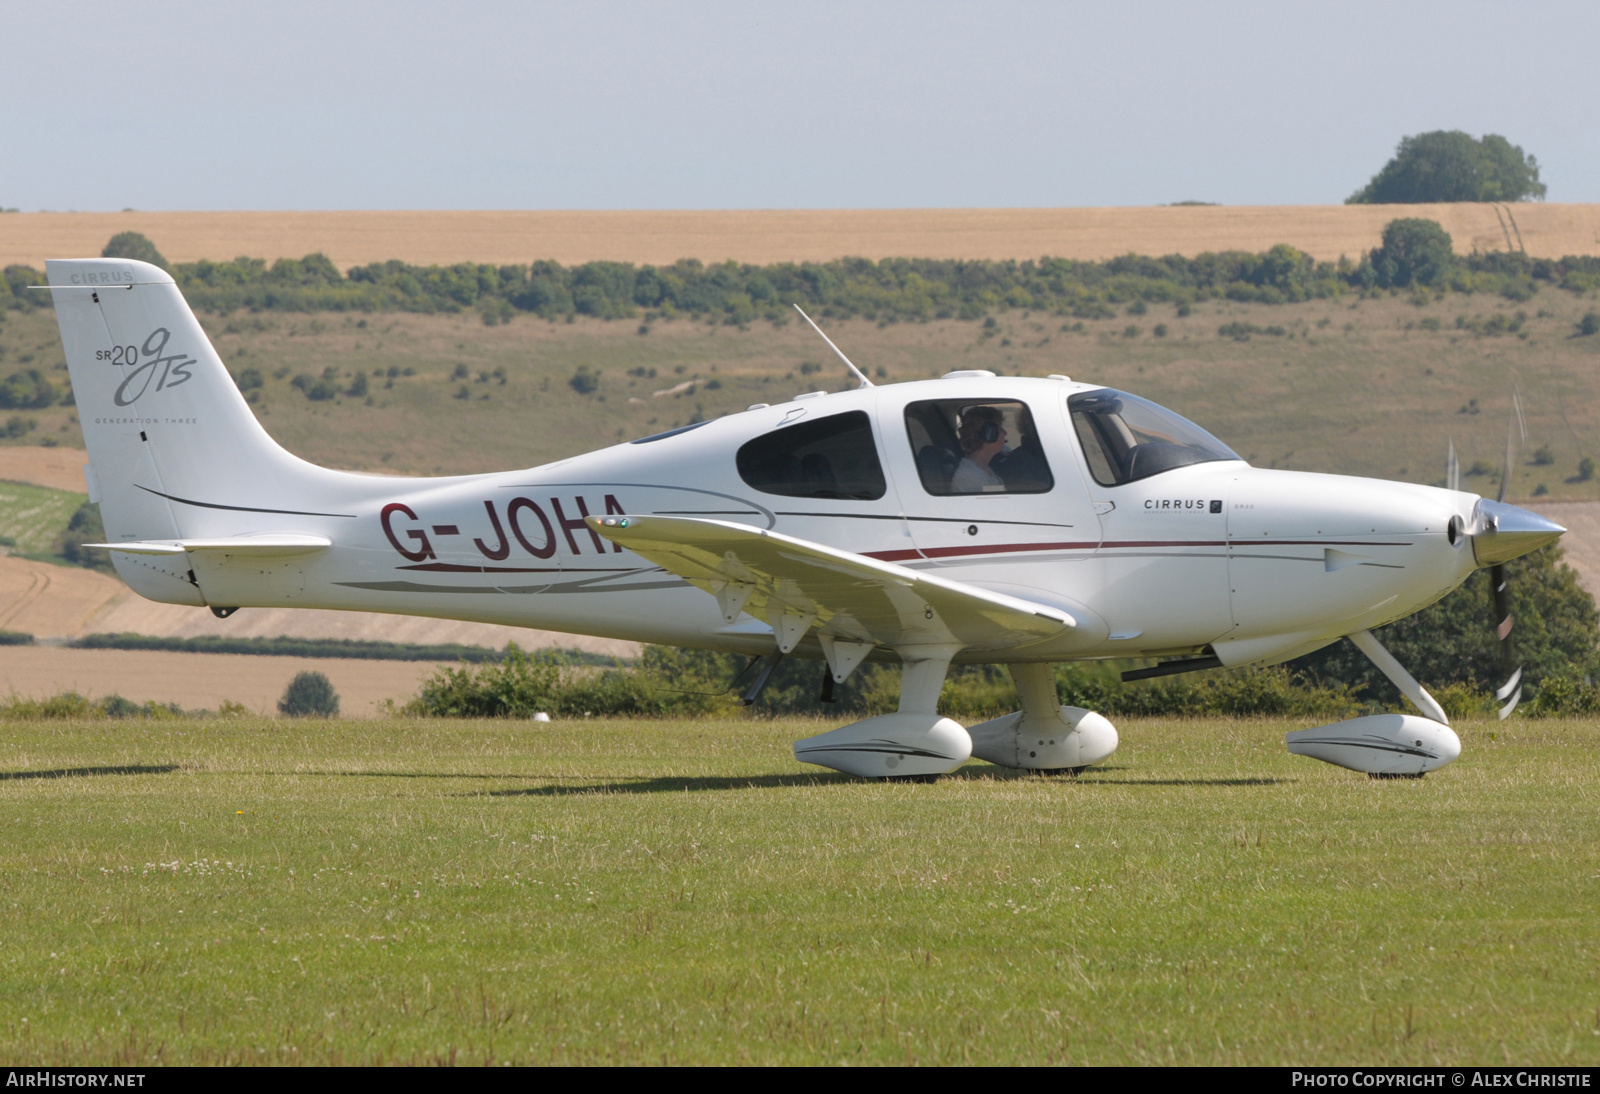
x=832 y=457
x=970 y=446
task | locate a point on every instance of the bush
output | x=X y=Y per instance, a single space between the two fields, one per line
x=1586 y=469
x=517 y=687
x=316 y=390
x=71 y=705
x=1589 y=324
x=85 y=527
x=1564 y=696
x=27 y=390
x=1451 y=166
x=309 y=694
x=664 y=682
x=585 y=381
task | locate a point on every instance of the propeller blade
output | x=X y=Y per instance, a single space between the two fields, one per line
x=1503 y=627
x=1452 y=469
x=1505 y=472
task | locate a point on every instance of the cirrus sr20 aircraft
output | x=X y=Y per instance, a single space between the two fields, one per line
x=973 y=518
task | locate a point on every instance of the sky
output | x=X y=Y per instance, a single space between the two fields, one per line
x=158 y=105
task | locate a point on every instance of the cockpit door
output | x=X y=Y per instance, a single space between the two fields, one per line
x=988 y=481
x=1162 y=568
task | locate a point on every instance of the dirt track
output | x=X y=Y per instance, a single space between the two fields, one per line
x=785 y=235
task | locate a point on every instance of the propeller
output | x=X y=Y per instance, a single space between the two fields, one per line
x=1509 y=693
x=1499 y=533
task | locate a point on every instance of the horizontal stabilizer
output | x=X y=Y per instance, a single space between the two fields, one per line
x=794 y=584
x=266 y=545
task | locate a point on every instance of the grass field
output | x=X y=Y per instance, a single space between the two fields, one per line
x=34 y=515
x=253 y=892
x=1356 y=388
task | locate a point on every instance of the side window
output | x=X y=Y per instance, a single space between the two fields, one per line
x=967 y=446
x=831 y=457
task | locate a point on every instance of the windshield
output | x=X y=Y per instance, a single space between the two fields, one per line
x=1126 y=438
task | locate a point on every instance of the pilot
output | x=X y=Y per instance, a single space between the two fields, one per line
x=983 y=437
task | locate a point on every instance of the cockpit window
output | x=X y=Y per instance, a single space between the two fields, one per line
x=1126 y=438
x=832 y=457
x=975 y=446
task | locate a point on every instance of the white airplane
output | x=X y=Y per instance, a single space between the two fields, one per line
x=974 y=518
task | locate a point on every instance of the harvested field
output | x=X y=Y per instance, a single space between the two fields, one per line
x=790 y=235
x=50 y=601
x=202 y=680
x=134 y=613
x=57 y=468
x=59 y=602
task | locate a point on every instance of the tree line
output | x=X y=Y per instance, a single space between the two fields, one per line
x=1414 y=253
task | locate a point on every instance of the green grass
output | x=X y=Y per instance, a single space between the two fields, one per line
x=35 y=515
x=258 y=891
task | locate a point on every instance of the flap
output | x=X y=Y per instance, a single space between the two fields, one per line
x=794 y=584
x=265 y=545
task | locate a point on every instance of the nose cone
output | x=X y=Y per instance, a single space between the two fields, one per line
x=1502 y=532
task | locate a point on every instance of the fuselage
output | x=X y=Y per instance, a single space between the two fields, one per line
x=1256 y=564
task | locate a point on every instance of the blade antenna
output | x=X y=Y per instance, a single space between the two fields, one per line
x=848 y=363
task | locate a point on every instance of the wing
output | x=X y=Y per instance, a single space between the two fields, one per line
x=797 y=584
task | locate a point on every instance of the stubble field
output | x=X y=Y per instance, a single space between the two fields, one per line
x=413 y=892
x=663 y=236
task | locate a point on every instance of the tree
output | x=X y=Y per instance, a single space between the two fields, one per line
x=85 y=527
x=309 y=693
x=1414 y=251
x=1451 y=166
x=27 y=390
x=133 y=245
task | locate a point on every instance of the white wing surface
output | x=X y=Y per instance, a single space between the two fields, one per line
x=795 y=585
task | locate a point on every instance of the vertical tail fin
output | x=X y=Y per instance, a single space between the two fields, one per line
x=175 y=450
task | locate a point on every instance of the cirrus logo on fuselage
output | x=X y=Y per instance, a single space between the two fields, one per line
x=1195 y=505
x=148 y=363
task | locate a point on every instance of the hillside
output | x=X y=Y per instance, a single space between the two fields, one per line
x=1376 y=387
x=791 y=235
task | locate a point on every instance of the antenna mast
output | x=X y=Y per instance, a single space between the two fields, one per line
x=848 y=363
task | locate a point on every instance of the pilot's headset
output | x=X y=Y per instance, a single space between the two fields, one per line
x=991 y=432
